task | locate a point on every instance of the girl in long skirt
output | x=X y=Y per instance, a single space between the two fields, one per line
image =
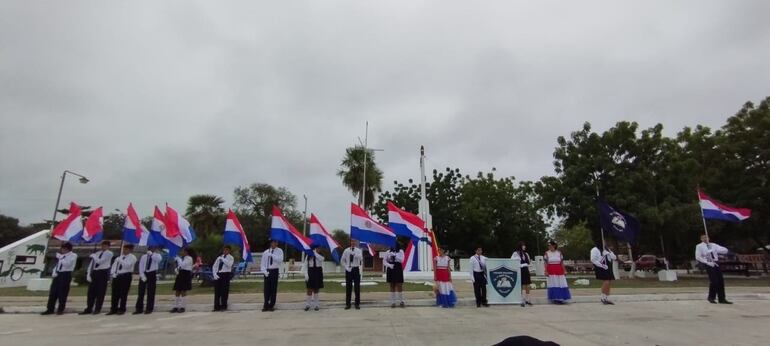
x=314 y=277
x=183 y=282
x=394 y=275
x=558 y=291
x=445 y=291
x=523 y=257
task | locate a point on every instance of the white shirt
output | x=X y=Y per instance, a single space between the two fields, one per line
x=66 y=263
x=100 y=260
x=185 y=263
x=316 y=261
x=124 y=264
x=226 y=262
x=395 y=256
x=708 y=254
x=358 y=258
x=156 y=258
x=516 y=256
x=271 y=259
x=599 y=258
x=442 y=262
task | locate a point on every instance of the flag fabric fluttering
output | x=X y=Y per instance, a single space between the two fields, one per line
x=368 y=247
x=411 y=263
x=71 y=228
x=714 y=210
x=618 y=223
x=93 y=232
x=406 y=224
x=173 y=243
x=321 y=237
x=365 y=229
x=283 y=231
x=178 y=225
x=433 y=243
x=234 y=235
x=135 y=233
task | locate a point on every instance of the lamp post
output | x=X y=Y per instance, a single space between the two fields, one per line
x=83 y=180
x=365 y=144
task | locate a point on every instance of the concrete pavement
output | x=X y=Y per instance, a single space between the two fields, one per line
x=631 y=323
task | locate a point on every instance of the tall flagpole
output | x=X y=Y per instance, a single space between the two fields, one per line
x=604 y=245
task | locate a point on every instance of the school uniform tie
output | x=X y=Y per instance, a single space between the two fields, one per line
x=149 y=263
x=221 y=264
x=352 y=256
x=120 y=264
x=271 y=257
x=314 y=261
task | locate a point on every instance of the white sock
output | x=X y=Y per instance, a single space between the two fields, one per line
x=308 y=299
x=526 y=297
x=177 y=302
x=183 y=300
x=401 y=296
x=604 y=296
x=393 y=297
x=316 y=298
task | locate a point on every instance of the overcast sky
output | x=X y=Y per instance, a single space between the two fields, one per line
x=155 y=102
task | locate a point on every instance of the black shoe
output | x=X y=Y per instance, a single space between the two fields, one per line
x=528 y=303
x=712 y=301
x=316 y=308
x=148 y=312
x=174 y=310
x=85 y=312
x=607 y=302
x=307 y=308
x=120 y=312
x=347 y=307
x=62 y=312
x=725 y=302
x=181 y=310
x=265 y=309
x=485 y=305
x=47 y=312
x=358 y=307
x=393 y=306
x=478 y=305
x=137 y=312
x=96 y=312
x=523 y=304
x=403 y=305
x=111 y=313
x=216 y=310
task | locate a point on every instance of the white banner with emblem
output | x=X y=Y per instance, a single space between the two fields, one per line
x=503 y=281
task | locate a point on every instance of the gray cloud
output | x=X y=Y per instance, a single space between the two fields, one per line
x=160 y=100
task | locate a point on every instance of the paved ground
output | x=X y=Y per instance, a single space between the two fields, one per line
x=633 y=323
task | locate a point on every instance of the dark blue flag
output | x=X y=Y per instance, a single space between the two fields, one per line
x=618 y=223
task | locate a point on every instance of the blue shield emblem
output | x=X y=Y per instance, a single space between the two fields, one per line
x=503 y=280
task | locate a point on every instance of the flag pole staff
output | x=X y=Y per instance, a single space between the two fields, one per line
x=601 y=228
x=702 y=216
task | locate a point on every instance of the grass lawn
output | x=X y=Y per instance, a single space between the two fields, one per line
x=680 y=283
x=235 y=287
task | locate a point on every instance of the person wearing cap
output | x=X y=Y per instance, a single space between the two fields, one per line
x=98 y=276
x=394 y=274
x=352 y=260
x=272 y=259
x=62 y=278
x=148 y=279
x=314 y=277
x=122 y=271
x=222 y=271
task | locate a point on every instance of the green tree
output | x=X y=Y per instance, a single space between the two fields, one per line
x=575 y=242
x=254 y=207
x=206 y=214
x=352 y=174
x=342 y=238
x=10 y=231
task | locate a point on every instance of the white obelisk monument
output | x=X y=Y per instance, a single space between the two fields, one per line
x=424 y=250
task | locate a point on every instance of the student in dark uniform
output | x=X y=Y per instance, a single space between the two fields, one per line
x=122 y=271
x=526 y=280
x=183 y=281
x=602 y=260
x=62 y=278
x=272 y=259
x=222 y=271
x=478 y=264
x=148 y=279
x=394 y=274
x=352 y=260
x=98 y=276
x=314 y=277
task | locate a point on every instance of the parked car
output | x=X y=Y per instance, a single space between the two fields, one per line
x=646 y=263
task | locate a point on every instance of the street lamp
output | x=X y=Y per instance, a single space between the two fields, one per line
x=365 y=144
x=83 y=180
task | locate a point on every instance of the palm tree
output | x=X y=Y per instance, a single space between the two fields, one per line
x=205 y=213
x=352 y=174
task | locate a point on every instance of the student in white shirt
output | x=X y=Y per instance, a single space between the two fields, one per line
x=478 y=264
x=394 y=274
x=62 y=278
x=98 y=276
x=122 y=270
x=148 y=279
x=707 y=253
x=183 y=282
x=526 y=280
x=314 y=277
x=272 y=259
x=352 y=260
x=222 y=271
x=602 y=260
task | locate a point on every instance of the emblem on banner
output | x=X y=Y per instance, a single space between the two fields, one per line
x=503 y=280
